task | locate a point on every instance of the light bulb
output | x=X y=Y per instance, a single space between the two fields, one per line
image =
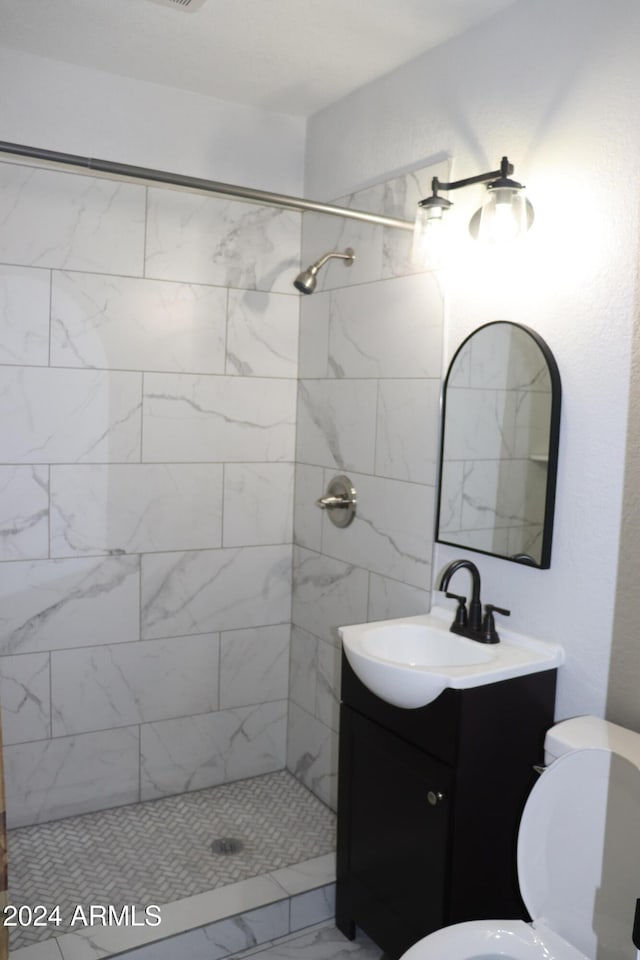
x=429 y=238
x=504 y=215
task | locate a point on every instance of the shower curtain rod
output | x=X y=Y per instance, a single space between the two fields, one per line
x=127 y=171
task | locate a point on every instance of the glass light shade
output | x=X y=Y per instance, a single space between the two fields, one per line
x=504 y=215
x=429 y=238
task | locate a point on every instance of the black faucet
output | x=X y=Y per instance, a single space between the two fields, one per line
x=473 y=624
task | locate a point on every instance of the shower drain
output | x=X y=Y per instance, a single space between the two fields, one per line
x=227 y=845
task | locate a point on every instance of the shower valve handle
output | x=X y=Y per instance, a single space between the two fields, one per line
x=340 y=501
x=331 y=503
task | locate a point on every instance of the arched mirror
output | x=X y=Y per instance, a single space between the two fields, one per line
x=499 y=445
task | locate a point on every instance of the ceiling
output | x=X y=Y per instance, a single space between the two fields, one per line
x=290 y=56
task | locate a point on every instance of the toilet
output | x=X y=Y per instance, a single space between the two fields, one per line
x=578 y=857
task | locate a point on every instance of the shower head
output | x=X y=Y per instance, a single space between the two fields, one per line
x=306 y=281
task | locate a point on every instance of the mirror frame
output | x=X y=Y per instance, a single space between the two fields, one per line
x=554 y=440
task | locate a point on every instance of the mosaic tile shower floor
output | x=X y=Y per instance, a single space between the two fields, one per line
x=160 y=851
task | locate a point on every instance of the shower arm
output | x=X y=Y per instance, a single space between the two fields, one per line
x=339 y=256
x=127 y=172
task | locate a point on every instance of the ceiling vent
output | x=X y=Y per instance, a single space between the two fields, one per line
x=190 y=5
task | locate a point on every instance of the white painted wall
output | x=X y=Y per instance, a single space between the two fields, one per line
x=555 y=86
x=624 y=683
x=45 y=103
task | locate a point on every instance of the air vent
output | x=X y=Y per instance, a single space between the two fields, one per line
x=190 y=5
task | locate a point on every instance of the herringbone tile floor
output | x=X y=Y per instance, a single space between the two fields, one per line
x=160 y=851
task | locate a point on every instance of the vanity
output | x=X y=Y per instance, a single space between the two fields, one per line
x=430 y=796
x=441 y=725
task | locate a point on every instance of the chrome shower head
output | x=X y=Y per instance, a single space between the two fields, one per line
x=306 y=281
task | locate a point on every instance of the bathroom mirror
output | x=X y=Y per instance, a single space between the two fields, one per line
x=499 y=445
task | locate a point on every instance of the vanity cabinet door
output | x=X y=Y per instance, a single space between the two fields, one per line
x=394 y=835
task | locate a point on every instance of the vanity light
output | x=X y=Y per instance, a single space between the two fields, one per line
x=505 y=215
x=429 y=235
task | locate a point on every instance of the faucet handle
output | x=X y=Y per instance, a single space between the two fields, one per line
x=489 y=632
x=461 y=618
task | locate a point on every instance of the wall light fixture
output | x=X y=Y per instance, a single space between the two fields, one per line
x=505 y=215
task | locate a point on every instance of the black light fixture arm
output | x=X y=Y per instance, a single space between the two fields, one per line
x=502 y=193
x=506 y=169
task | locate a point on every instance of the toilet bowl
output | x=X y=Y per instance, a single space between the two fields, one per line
x=578 y=858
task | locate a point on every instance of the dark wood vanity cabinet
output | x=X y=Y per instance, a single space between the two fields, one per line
x=429 y=803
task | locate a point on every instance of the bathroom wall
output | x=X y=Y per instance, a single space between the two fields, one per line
x=57 y=106
x=148 y=361
x=624 y=681
x=368 y=401
x=554 y=86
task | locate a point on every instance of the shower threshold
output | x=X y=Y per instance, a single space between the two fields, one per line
x=228 y=867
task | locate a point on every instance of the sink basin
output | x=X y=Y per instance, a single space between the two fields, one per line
x=422 y=645
x=408 y=662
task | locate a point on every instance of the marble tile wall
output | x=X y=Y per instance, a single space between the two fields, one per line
x=148 y=359
x=368 y=405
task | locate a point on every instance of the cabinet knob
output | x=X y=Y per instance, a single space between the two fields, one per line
x=435 y=797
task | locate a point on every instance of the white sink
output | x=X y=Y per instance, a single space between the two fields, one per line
x=422 y=645
x=409 y=662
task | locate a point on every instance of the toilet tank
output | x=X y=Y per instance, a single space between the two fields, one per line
x=583 y=732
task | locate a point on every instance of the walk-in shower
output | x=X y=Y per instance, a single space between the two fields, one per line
x=147 y=607
x=145 y=644
x=306 y=281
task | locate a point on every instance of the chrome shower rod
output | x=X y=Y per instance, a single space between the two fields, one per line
x=128 y=172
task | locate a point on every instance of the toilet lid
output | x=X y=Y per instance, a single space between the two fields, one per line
x=579 y=851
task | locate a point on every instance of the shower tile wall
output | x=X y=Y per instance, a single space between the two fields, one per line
x=148 y=358
x=368 y=406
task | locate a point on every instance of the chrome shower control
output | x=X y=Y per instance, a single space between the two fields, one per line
x=340 y=501
x=435 y=797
